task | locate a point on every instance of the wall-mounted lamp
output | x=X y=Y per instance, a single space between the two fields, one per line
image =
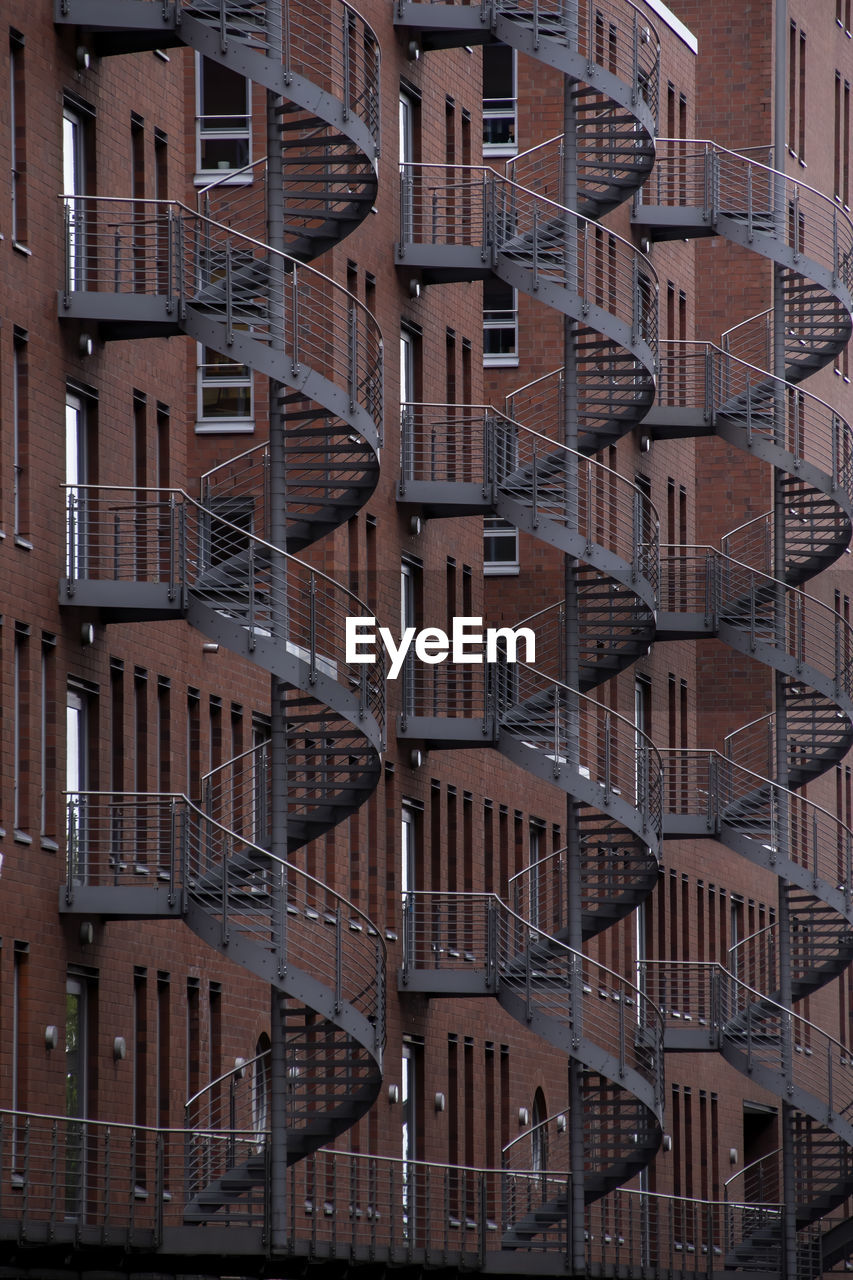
x=87 y=933
x=84 y=58
x=645 y=244
x=561 y=1124
x=645 y=442
x=732 y=1155
x=416 y=526
x=667 y=1142
x=440 y=1102
x=393 y=1093
x=523 y=1117
x=414 y=50
x=51 y=1037
x=416 y=757
x=210 y=647
x=414 y=288
x=85 y=345
x=87 y=634
x=239 y=1068
x=119 y=1048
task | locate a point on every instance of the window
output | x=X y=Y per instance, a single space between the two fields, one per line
x=74 y=187
x=539 y=1133
x=500 y=323
x=75 y=472
x=21 y=731
x=406 y=121
x=47 y=751
x=20 y=1054
x=76 y=780
x=18 y=137
x=499 y=100
x=408 y=341
x=261 y=1089
x=223 y=120
x=797 y=93
x=225 y=393
x=500 y=546
x=20 y=439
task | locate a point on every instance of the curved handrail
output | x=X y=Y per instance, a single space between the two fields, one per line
x=701 y=579
x=169 y=537
x=517 y=465
x=113 y=833
x=344 y=64
x=225 y=285
x=580 y=1006
x=755 y=1031
x=471 y=205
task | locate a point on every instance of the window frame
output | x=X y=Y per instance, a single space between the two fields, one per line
x=501 y=359
x=232 y=425
x=509 y=148
x=239 y=175
x=495 y=527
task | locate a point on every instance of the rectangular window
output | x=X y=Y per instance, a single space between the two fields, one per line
x=48 y=728
x=500 y=323
x=21 y=1054
x=225 y=399
x=74 y=188
x=18 y=138
x=500 y=546
x=500 y=130
x=76 y=781
x=20 y=438
x=75 y=471
x=223 y=120
x=22 y=732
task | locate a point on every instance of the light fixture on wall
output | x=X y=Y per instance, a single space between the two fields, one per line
x=440 y=1102
x=119 y=1048
x=51 y=1037
x=87 y=933
x=84 y=58
x=523 y=1117
x=85 y=345
x=393 y=1093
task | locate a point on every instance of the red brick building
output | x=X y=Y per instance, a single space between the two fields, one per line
x=419 y=313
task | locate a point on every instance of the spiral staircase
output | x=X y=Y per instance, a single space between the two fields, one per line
x=702 y=189
x=155 y=268
x=466 y=223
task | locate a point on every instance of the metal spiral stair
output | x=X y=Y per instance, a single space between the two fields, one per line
x=465 y=222
x=573 y=503
x=613 y=56
x=703 y=389
x=140 y=856
x=161 y=554
x=702 y=189
x=475 y=944
x=325 y=67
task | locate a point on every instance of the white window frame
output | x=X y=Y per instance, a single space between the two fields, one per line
x=243 y=425
x=494 y=112
x=495 y=527
x=240 y=176
x=491 y=323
